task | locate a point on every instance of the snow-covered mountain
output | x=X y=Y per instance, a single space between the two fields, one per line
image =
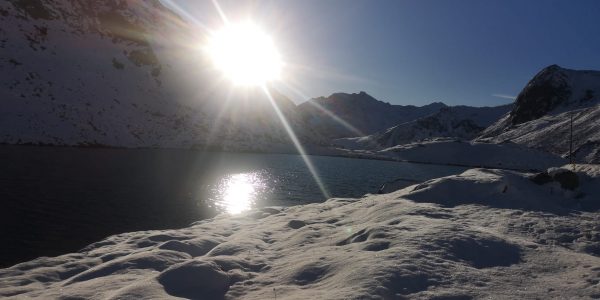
x=364 y=113
x=541 y=117
x=463 y=122
x=121 y=73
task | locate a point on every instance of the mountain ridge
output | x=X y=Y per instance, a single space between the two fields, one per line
x=463 y=122
x=542 y=114
x=365 y=113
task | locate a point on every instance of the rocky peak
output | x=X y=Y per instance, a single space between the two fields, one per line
x=547 y=90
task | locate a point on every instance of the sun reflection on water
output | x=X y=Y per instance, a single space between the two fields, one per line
x=239 y=192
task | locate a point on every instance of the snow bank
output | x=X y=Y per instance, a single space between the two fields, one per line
x=481 y=234
x=476 y=154
x=592 y=170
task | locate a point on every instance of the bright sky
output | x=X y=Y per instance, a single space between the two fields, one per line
x=415 y=52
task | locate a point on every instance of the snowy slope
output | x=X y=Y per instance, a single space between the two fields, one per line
x=483 y=234
x=363 y=112
x=542 y=113
x=120 y=73
x=551 y=133
x=462 y=122
x=449 y=151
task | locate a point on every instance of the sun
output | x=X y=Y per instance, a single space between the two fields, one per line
x=245 y=54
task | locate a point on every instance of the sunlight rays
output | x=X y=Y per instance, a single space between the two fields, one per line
x=329 y=74
x=184 y=13
x=326 y=111
x=297 y=144
x=220 y=11
x=230 y=48
x=217 y=121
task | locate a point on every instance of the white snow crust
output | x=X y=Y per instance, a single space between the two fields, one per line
x=464 y=153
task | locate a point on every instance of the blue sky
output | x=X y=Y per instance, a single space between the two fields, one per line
x=416 y=52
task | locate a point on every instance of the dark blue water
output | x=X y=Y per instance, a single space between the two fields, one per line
x=57 y=200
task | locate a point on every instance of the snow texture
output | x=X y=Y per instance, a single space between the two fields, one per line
x=482 y=234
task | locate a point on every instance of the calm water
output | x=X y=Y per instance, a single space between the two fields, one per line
x=57 y=200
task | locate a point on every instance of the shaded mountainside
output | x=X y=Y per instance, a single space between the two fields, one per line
x=555 y=89
x=542 y=112
x=120 y=73
x=365 y=113
x=462 y=122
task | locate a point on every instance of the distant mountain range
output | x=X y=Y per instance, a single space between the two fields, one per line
x=120 y=73
x=366 y=114
x=540 y=118
x=462 y=122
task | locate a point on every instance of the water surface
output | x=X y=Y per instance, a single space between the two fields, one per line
x=57 y=200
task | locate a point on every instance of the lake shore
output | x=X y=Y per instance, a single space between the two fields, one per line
x=444 y=151
x=483 y=233
x=66 y=198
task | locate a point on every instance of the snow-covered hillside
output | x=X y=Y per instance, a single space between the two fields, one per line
x=121 y=73
x=449 y=151
x=483 y=234
x=364 y=113
x=542 y=114
x=462 y=122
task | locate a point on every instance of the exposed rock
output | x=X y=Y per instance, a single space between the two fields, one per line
x=567 y=179
x=542 y=114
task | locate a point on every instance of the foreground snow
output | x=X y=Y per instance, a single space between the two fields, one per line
x=484 y=233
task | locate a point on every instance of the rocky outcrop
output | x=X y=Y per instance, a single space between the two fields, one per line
x=542 y=113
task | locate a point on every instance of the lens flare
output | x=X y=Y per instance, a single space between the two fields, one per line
x=245 y=54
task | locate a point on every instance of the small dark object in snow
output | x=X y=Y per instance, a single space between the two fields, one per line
x=567 y=179
x=541 y=178
x=395 y=185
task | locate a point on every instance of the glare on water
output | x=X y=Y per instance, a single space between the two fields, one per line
x=239 y=192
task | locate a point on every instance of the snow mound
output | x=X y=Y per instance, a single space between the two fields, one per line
x=508 y=189
x=481 y=234
x=587 y=169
